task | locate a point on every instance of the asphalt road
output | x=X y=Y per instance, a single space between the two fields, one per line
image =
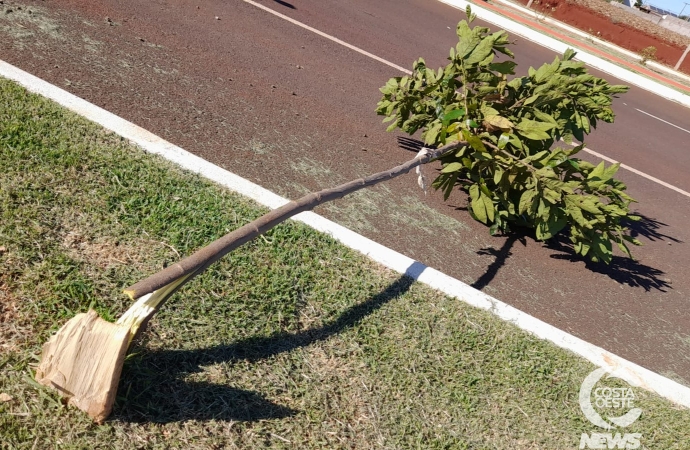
x=294 y=112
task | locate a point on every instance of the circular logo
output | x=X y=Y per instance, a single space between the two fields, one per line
x=606 y=397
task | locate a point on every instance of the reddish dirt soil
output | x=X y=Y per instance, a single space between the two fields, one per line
x=612 y=30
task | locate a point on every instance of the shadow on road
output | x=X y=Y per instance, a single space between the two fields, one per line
x=410 y=144
x=650 y=229
x=286 y=4
x=153 y=386
x=500 y=257
x=622 y=269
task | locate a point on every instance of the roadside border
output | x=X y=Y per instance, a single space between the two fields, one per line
x=530 y=12
x=628 y=371
x=588 y=58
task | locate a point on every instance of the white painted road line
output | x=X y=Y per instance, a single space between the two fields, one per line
x=328 y=36
x=628 y=371
x=402 y=69
x=635 y=171
x=662 y=120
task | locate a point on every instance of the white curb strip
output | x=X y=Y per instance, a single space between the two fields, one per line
x=578 y=32
x=632 y=373
x=587 y=58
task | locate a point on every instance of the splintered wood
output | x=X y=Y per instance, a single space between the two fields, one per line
x=83 y=362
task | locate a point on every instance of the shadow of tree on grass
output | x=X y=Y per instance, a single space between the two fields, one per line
x=153 y=386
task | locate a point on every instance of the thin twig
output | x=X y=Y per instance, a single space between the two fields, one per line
x=277 y=436
x=172 y=248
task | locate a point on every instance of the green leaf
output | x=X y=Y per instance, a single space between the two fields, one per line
x=535 y=135
x=470 y=15
x=552 y=196
x=467 y=41
x=546 y=71
x=476 y=143
x=550 y=188
x=532 y=129
x=610 y=171
x=590 y=204
x=624 y=248
x=526 y=201
x=499 y=122
x=482 y=206
x=477 y=204
x=582 y=122
x=452 y=115
x=632 y=240
x=498 y=174
x=452 y=167
x=546 y=118
x=489 y=205
x=481 y=51
x=542 y=232
x=530 y=100
x=543 y=209
x=450 y=185
x=527 y=124
x=432 y=133
x=503 y=140
x=578 y=217
x=484 y=189
x=581 y=203
x=597 y=173
x=604 y=249
x=504 y=67
x=390 y=86
x=487 y=110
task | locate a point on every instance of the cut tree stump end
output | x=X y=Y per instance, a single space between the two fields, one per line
x=83 y=362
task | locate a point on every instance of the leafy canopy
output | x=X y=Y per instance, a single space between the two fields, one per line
x=510 y=168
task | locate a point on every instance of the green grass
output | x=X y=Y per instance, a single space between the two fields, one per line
x=292 y=341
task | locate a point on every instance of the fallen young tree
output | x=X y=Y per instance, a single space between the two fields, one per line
x=493 y=137
x=84 y=359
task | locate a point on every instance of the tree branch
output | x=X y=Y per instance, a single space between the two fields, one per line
x=201 y=259
x=510 y=155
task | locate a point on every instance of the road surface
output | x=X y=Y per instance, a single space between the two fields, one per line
x=293 y=111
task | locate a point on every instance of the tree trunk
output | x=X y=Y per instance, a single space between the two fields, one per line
x=201 y=259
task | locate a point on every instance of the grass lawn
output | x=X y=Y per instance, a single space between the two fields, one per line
x=292 y=341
